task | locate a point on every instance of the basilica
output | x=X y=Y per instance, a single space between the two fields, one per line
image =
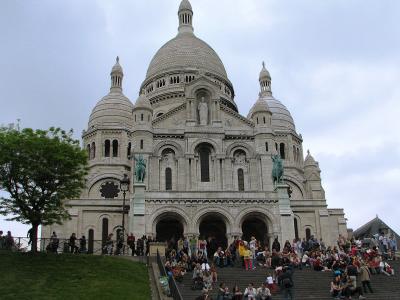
x=208 y=168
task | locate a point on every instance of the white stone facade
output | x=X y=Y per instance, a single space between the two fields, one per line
x=204 y=169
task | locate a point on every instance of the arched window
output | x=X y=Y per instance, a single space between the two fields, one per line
x=141 y=117
x=93 y=150
x=128 y=152
x=168 y=179
x=294 y=153
x=104 y=231
x=276 y=146
x=296 y=229
x=115 y=148
x=266 y=146
x=264 y=119
x=141 y=144
x=159 y=114
x=107 y=146
x=257 y=120
x=308 y=233
x=90 y=241
x=240 y=179
x=88 y=151
x=204 y=153
x=282 y=150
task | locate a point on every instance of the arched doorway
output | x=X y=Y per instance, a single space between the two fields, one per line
x=213 y=228
x=170 y=229
x=255 y=225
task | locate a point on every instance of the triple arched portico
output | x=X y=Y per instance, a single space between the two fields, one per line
x=214 y=224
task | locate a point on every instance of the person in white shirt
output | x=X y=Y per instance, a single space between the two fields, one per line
x=250 y=292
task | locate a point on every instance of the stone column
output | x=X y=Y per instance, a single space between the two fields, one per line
x=137 y=224
x=286 y=213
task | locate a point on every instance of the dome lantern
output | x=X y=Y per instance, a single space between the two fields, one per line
x=265 y=81
x=185 y=14
x=116 y=77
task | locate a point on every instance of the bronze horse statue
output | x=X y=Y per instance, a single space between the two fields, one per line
x=277 y=169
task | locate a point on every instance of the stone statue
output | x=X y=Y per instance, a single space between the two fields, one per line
x=140 y=168
x=203 y=112
x=277 y=169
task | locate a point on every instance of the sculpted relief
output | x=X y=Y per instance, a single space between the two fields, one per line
x=203 y=112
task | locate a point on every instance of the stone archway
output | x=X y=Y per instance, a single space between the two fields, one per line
x=213 y=228
x=256 y=224
x=169 y=227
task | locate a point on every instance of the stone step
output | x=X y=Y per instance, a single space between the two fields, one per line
x=309 y=284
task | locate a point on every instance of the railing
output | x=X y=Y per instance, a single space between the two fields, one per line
x=175 y=293
x=22 y=244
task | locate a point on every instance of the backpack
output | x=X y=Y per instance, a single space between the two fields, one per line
x=286 y=283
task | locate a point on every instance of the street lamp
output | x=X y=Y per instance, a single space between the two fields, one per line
x=124 y=187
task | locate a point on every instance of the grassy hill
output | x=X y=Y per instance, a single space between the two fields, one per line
x=64 y=276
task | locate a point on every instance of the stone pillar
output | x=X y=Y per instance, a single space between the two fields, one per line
x=286 y=213
x=137 y=224
x=325 y=230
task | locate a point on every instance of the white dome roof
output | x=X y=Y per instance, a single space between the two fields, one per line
x=281 y=117
x=185 y=4
x=186 y=52
x=112 y=110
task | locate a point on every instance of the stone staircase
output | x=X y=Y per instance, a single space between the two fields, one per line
x=308 y=284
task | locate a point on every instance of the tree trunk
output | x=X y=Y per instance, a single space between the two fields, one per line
x=34 y=238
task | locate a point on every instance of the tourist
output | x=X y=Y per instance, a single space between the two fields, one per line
x=108 y=247
x=203 y=246
x=250 y=292
x=223 y=292
x=207 y=280
x=286 y=283
x=131 y=243
x=9 y=243
x=237 y=293
x=336 y=287
x=204 y=296
x=365 y=278
x=72 y=245
x=253 y=246
x=214 y=274
x=351 y=289
x=2 y=240
x=276 y=245
x=393 y=247
x=247 y=258
x=82 y=245
x=193 y=244
x=30 y=236
x=54 y=243
x=263 y=292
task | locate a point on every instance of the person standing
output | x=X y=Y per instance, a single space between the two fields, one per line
x=9 y=241
x=365 y=278
x=131 y=243
x=82 y=244
x=252 y=246
x=72 y=245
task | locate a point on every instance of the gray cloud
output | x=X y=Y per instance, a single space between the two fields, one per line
x=334 y=64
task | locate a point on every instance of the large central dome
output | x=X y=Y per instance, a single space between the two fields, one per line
x=186 y=51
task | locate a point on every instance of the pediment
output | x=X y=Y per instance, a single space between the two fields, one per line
x=174 y=118
x=232 y=119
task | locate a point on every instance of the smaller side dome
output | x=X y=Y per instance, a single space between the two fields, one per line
x=114 y=109
x=261 y=106
x=142 y=103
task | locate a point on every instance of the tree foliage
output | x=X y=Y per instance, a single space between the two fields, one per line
x=40 y=170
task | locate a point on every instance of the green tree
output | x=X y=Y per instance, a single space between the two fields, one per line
x=39 y=170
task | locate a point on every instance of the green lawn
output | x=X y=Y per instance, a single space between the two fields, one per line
x=66 y=276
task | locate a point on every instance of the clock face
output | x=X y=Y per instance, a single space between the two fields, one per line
x=109 y=190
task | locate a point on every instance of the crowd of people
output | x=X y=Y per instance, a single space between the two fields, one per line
x=351 y=262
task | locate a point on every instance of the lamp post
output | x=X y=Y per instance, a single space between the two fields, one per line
x=124 y=187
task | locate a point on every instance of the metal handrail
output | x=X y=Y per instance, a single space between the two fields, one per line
x=22 y=244
x=174 y=290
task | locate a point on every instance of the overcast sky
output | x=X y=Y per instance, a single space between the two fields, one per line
x=334 y=63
